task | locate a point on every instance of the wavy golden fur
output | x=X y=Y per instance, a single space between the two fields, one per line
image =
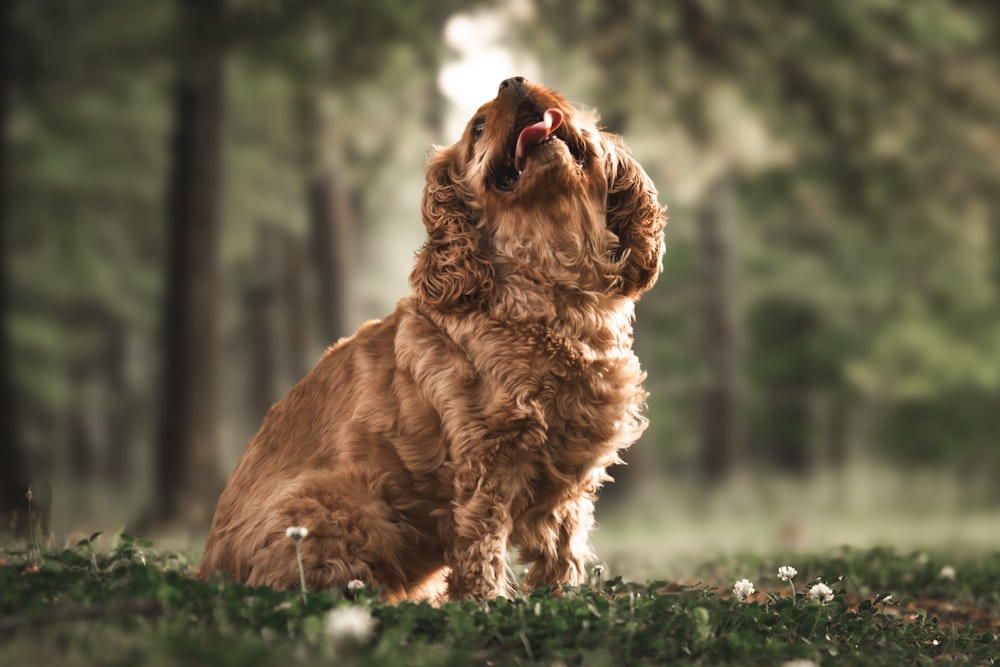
x=483 y=412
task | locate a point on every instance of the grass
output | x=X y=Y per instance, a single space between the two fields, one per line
x=667 y=527
x=130 y=604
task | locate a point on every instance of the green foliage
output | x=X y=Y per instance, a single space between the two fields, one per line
x=862 y=136
x=926 y=429
x=88 y=131
x=88 y=144
x=133 y=604
x=868 y=573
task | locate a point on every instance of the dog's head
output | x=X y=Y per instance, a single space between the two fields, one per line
x=533 y=187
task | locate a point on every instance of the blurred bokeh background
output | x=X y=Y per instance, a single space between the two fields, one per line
x=200 y=195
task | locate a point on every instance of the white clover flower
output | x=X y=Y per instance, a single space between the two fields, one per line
x=786 y=572
x=947 y=572
x=355 y=585
x=743 y=589
x=799 y=663
x=349 y=624
x=821 y=592
x=296 y=532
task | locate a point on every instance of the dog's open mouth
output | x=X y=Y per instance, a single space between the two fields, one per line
x=532 y=129
x=534 y=135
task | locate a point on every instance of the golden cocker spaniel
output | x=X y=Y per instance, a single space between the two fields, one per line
x=483 y=412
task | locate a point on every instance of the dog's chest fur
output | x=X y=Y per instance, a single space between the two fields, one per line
x=548 y=410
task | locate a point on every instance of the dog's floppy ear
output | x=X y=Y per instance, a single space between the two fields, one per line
x=635 y=217
x=452 y=269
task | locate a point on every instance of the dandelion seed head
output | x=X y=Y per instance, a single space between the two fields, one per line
x=821 y=592
x=598 y=570
x=296 y=532
x=786 y=572
x=947 y=572
x=743 y=589
x=348 y=624
x=355 y=585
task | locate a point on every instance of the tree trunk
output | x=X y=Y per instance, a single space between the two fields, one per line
x=722 y=439
x=117 y=416
x=187 y=474
x=790 y=432
x=331 y=218
x=259 y=309
x=294 y=309
x=13 y=474
x=837 y=432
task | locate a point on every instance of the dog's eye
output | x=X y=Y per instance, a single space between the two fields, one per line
x=478 y=127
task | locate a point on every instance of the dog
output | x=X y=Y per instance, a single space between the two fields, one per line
x=482 y=413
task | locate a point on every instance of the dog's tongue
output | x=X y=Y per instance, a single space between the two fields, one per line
x=535 y=134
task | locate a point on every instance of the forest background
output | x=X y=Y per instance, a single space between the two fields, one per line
x=198 y=196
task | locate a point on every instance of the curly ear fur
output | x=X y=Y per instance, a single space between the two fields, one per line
x=452 y=270
x=635 y=217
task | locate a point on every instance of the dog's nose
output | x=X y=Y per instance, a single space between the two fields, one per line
x=512 y=84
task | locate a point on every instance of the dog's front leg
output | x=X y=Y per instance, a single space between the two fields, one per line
x=558 y=546
x=477 y=556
